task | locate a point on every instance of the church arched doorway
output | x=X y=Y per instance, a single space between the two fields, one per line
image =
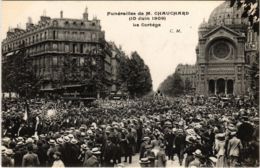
x=230 y=86
x=220 y=86
x=211 y=87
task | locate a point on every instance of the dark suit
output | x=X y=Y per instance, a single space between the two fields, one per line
x=91 y=162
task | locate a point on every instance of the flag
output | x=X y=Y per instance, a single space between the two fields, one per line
x=25 y=115
x=26 y=110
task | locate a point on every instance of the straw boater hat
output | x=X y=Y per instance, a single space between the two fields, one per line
x=20 y=139
x=42 y=136
x=146 y=138
x=9 y=152
x=74 y=141
x=51 y=142
x=59 y=141
x=66 y=139
x=84 y=146
x=19 y=143
x=3 y=149
x=220 y=136
x=29 y=140
x=95 y=151
x=144 y=160
x=197 y=153
x=70 y=136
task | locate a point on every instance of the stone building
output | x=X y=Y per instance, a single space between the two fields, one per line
x=226 y=53
x=188 y=74
x=65 y=52
x=117 y=88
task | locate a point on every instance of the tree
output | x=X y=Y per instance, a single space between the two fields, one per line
x=136 y=74
x=19 y=75
x=188 y=85
x=251 y=11
x=123 y=71
x=172 y=85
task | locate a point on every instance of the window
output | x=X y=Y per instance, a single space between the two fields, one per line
x=67 y=48
x=55 y=47
x=55 y=23
x=93 y=36
x=54 y=61
x=82 y=35
x=74 y=35
x=45 y=35
x=81 y=48
x=81 y=61
x=74 y=49
x=53 y=35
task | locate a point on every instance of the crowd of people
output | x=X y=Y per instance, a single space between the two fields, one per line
x=198 y=131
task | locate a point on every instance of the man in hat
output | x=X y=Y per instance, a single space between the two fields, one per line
x=66 y=154
x=234 y=149
x=161 y=157
x=51 y=151
x=220 y=150
x=75 y=152
x=180 y=145
x=83 y=153
x=30 y=159
x=22 y=130
x=169 y=137
x=91 y=161
x=42 y=153
x=108 y=153
x=149 y=154
x=142 y=148
x=57 y=160
x=144 y=162
x=190 y=149
x=6 y=161
x=197 y=156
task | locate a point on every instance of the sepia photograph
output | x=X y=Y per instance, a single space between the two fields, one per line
x=130 y=83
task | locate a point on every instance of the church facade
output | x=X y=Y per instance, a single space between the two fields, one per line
x=226 y=53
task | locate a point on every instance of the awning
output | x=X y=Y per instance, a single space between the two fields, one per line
x=47 y=89
x=78 y=98
x=17 y=51
x=10 y=53
x=71 y=86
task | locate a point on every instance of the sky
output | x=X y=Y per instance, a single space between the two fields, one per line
x=161 y=50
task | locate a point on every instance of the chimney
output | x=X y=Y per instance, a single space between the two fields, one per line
x=29 y=24
x=10 y=32
x=61 y=14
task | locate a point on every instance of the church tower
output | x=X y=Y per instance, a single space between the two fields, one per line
x=225 y=53
x=85 y=14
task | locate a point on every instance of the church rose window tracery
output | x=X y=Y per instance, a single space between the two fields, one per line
x=221 y=50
